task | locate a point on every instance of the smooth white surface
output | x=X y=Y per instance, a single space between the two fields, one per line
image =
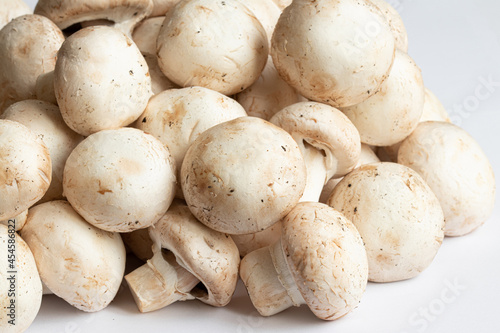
x=457 y=45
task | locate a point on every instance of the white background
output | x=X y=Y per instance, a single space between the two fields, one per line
x=457 y=45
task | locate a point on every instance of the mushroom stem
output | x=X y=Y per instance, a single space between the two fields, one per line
x=316 y=168
x=269 y=281
x=160 y=282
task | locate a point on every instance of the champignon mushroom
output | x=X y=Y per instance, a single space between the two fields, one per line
x=18 y=221
x=10 y=9
x=268 y=95
x=24 y=56
x=340 y=57
x=329 y=142
x=215 y=44
x=319 y=260
x=146 y=34
x=120 y=180
x=267 y=12
x=125 y=14
x=20 y=286
x=457 y=170
x=101 y=80
x=78 y=262
x=25 y=168
x=397 y=215
x=45 y=120
x=395 y=22
x=202 y=264
x=242 y=176
x=251 y=242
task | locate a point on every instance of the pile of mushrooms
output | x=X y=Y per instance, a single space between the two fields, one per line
x=200 y=136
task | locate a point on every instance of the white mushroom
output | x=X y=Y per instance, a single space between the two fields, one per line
x=329 y=142
x=395 y=22
x=101 y=80
x=242 y=176
x=203 y=264
x=20 y=286
x=120 y=180
x=319 y=260
x=397 y=215
x=24 y=55
x=125 y=14
x=267 y=12
x=215 y=44
x=25 y=169
x=340 y=57
x=10 y=9
x=45 y=120
x=146 y=34
x=18 y=221
x=457 y=170
x=78 y=262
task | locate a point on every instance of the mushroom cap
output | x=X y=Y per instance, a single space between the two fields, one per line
x=268 y=95
x=101 y=80
x=25 y=168
x=81 y=264
x=456 y=169
x=433 y=109
x=25 y=56
x=326 y=129
x=19 y=220
x=326 y=257
x=178 y=116
x=395 y=110
x=397 y=215
x=124 y=13
x=215 y=44
x=120 y=180
x=340 y=57
x=395 y=22
x=242 y=176
x=45 y=120
x=209 y=255
x=28 y=287
x=12 y=9
x=159 y=82
x=146 y=34
x=267 y=12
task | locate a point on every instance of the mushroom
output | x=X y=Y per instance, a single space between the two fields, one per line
x=20 y=286
x=395 y=22
x=202 y=264
x=18 y=221
x=394 y=112
x=161 y=7
x=340 y=57
x=367 y=156
x=44 y=88
x=101 y=80
x=457 y=170
x=250 y=242
x=242 y=176
x=268 y=95
x=12 y=9
x=178 y=116
x=327 y=139
x=215 y=44
x=159 y=82
x=319 y=260
x=125 y=14
x=45 y=120
x=267 y=12
x=79 y=263
x=397 y=215
x=25 y=55
x=146 y=34
x=120 y=180
x=25 y=169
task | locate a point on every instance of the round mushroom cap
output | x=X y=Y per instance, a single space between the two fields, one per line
x=324 y=128
x=395 y=22
x=456 y=169
x=81 y=264
x=125 y=14
x=209 y=255
x=215 y=44
x=326 y=257
x=340 y=57
x=101 y=80
x=397 y=215
x=27 y=284
x=12 y=9
x=242 y=176
x=25 y=56
x=146 y=34
x=120 y=180
x=25 y=169
x=45 y=120
x=433 y=109
x=394 y=112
